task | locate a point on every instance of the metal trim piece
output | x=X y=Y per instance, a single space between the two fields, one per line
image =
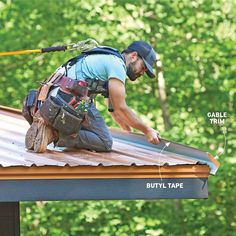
x=176 y=148
x=103 y=189
x=101 y=172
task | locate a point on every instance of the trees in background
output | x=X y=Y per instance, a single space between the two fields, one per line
x=196 y=42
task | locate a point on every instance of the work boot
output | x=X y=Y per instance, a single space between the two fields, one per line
x=39 y=135
x=32 y=132
x=44 y=137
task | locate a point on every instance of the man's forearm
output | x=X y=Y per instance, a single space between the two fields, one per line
x=120 y=122
x=131 y=119
x=117 y=96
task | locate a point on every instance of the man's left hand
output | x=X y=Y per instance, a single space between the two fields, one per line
x=152 y=136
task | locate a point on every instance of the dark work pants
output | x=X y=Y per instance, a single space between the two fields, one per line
x=94 y=136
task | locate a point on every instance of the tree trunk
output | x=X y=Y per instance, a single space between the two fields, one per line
x=162 y=96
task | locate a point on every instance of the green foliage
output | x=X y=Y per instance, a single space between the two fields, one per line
x=196 y=41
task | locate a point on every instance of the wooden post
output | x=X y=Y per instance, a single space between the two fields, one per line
x=9 y=219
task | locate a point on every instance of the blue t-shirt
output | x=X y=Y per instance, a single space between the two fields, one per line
x=102 y=67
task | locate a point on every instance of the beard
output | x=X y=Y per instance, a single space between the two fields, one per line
x=131 y=71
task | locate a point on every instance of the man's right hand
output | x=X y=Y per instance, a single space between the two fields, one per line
x=152 y=136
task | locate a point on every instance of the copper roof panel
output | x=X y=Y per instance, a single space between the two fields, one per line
x=126 y=152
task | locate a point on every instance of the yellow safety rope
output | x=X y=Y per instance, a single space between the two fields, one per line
x=81 y=46
x=20 y=52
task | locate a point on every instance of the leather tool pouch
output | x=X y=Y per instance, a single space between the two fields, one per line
x=55 y=113
x=31 y=101
x=77 y=89
x=49 y=110
x=29 y=105
x=67 y=123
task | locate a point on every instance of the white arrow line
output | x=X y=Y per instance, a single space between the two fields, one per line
x=159 y=159
x=221 y=153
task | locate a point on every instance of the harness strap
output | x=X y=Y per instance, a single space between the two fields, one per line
x=93 y=84
x=76 y=87
x=98 y=50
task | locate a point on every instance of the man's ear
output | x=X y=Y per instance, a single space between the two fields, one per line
x=133 y=56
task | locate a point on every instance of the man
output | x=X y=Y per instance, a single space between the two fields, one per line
x=107 y=69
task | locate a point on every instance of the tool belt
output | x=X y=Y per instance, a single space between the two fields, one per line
x=65 y=115
x=61 y=115
x=52 y=111
x=76 y=87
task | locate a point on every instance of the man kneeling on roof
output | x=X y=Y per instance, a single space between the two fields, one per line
x=65 y=113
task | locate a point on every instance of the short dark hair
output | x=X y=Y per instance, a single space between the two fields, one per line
x=127 y=50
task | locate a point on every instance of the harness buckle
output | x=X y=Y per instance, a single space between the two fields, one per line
x=84 y=45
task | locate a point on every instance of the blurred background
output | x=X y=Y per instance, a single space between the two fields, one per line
x=196 y=41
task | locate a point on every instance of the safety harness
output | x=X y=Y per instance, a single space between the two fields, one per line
x=95 y=85
x=67 y=116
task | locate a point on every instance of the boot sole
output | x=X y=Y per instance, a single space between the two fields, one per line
x=30 y=136
x=41 y=141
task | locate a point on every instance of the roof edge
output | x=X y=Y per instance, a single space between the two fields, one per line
x=214 y=164
x=103 y=172
x=10 y=109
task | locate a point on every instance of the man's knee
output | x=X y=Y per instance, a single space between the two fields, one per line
x=108 y=145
